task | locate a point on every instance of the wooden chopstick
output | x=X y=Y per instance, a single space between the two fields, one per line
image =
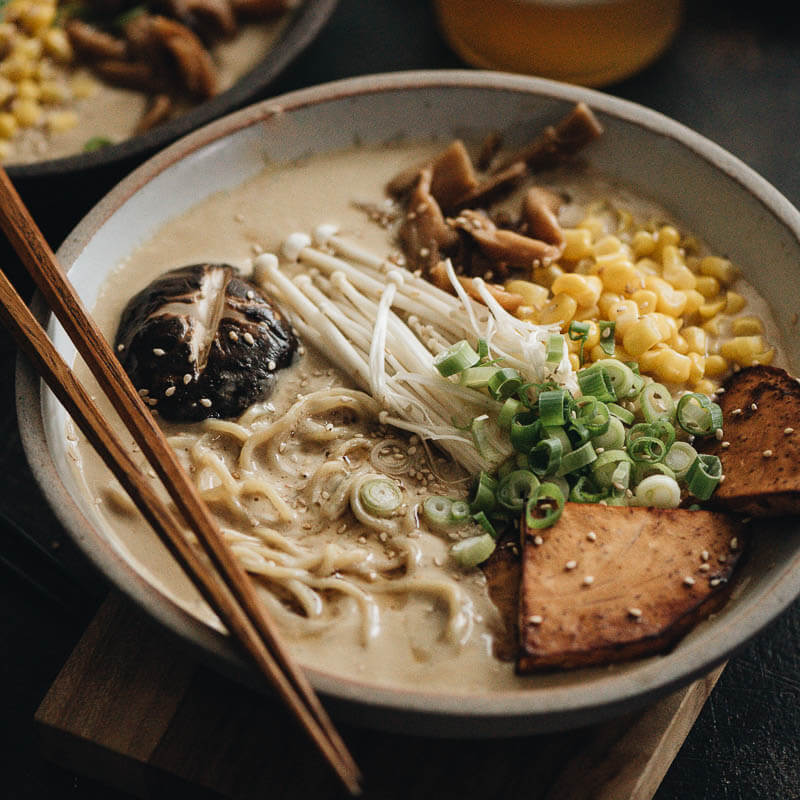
x=237 y=604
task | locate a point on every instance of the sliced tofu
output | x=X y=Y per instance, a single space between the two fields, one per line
x=608 y=584
x=761 y=451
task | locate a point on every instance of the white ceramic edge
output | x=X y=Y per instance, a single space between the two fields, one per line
x=515 y=712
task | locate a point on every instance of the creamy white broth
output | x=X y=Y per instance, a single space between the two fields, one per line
x=414 y=642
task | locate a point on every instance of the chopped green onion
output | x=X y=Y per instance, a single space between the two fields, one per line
x=516 y=488
x=580 y=457
x=621 y=477
x=704 y=476
x=646 y=448
x=544 y=507
x=553 y=407
x=613 y=438
x=679 y=458
x=482 y=496
x=604 y=467
x=620 y=375
x=380 y=496
x=486 y=440
x=485 y=523
x=579 y=331
x=483 y=349
x=621 y=413
x=511 y=407
x=437 y=510
x=643 y=469
x=554 y=349
x=593 y=415
x=456 y=359
x=526 y=430
x=658 y=491
x=607 y=330
x=698 y=415
x=473 y=551
x=656 y=403
x=579 y=494
x=504 y=383
x=477 y=377
x=96 y=143
x=545 y=458
x=594 y=381
x=459 y=511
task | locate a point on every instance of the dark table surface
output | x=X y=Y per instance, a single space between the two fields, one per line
x=733 y=74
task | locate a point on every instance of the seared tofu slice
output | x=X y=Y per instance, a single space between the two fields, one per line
x=608 y=584
x=760 y=447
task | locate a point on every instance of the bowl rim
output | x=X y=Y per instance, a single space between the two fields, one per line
x=495 y=713
x=307 y=21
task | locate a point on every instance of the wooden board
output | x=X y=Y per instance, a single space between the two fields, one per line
x=132 y=709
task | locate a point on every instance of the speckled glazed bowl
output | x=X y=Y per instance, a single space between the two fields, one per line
x=706 y=189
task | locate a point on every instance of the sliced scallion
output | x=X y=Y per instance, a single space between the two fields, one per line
x=584 y=492
x=511 y=407
x=470 y=552
x=658 y=491
x=698 y=415
x=704 y=476
x=483 y=520
x=613 y=438
x=577 y=459
x=621 y=413
x=592 y=414
x=607 y=330
x=486 y=440
x=482 y=496
x=679 y=458
x=516 y=488
x=656 y=403
x=438 y=511
x=620 y=375
x=545 y=457
x=456 y=358
x=526 y=430
x=476 y=377
x=544 y=507
x=554 y=349
x=553 y=406
x=504 y=383
x=380 y=497
x=594 y=381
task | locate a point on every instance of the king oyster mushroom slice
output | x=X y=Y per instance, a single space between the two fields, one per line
x=200 y=341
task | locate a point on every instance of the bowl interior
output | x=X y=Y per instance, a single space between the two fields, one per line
x=705 y=189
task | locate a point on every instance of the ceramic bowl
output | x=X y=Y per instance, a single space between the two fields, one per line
x=305 y=23
x=705 y=188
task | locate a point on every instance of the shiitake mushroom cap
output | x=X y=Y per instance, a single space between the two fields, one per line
x=201 y=341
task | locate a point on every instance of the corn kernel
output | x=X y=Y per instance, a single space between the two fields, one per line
x=27 y=112
x=693 y=302
x=744 y=350
x=561 y=309
x=8 y=125
x=720 y=268
x=667 y=235
x=27 y=49
x=587 y=313
x=670 y=301
x=646 y=299
x=672 y=367
x=698 y=368
x=708 y=286
x=706 y=386
x=648 y=267
x=678 y=343
x=57 y=45
x=695 y=339
x=37 y=17
x=17 y=68
x=83 y=85
x=545 y=276
x=747 y=326
x=606 y=301
x=610 y=246
x=643 y=243
x=532 y=294
x=622 y=277
x=594 y=225
x=624 y=313
x=641 y=336
x=708 y=310
x=575 y=361
x=53 y=92
x=577 y=243
x=585 y=289
x=60 y=121
x=734 y=302
x=7 y=90
x=5 y=150
x=28 y=89
x=716 y=365
x=675 y=271
x=711 y=327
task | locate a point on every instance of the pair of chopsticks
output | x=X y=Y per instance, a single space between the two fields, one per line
x=230 y=591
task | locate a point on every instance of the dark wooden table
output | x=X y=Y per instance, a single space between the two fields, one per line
x=733 y=75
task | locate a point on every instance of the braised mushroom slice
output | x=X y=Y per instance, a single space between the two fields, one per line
x=200 y=341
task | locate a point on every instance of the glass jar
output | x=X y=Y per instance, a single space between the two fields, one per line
x=588 y=42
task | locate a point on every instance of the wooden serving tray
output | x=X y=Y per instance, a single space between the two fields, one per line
x=132 y=709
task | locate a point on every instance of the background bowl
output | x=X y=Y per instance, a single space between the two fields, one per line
x=708 y=191
x=304 y=23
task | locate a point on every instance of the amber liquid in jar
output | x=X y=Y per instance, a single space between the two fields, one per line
x=588 y=42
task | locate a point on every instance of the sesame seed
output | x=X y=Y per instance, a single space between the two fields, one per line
x=734 y=543
x=570 y=565
x=250 y=294
x=248 y=337
x=120 y=348
x=591 y=536
x=726 y=445
x=144 y=392
x=535 y=619
x=271 y=365
x=187 y=378
x=704 y=567
x=157 y=351
x=767 y=454
x=204 y=401
x=635 y=612
x=787 y=431
x=715 y=582
x=688 y=580
x=169 y=391
x=704 y=555
x=233 y=336
x=537 y=540
x=736 y=412
x=588 y=580
x=753 y=406
x=718 y=434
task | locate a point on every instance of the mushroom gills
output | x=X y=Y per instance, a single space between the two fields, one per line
x=201 y=341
